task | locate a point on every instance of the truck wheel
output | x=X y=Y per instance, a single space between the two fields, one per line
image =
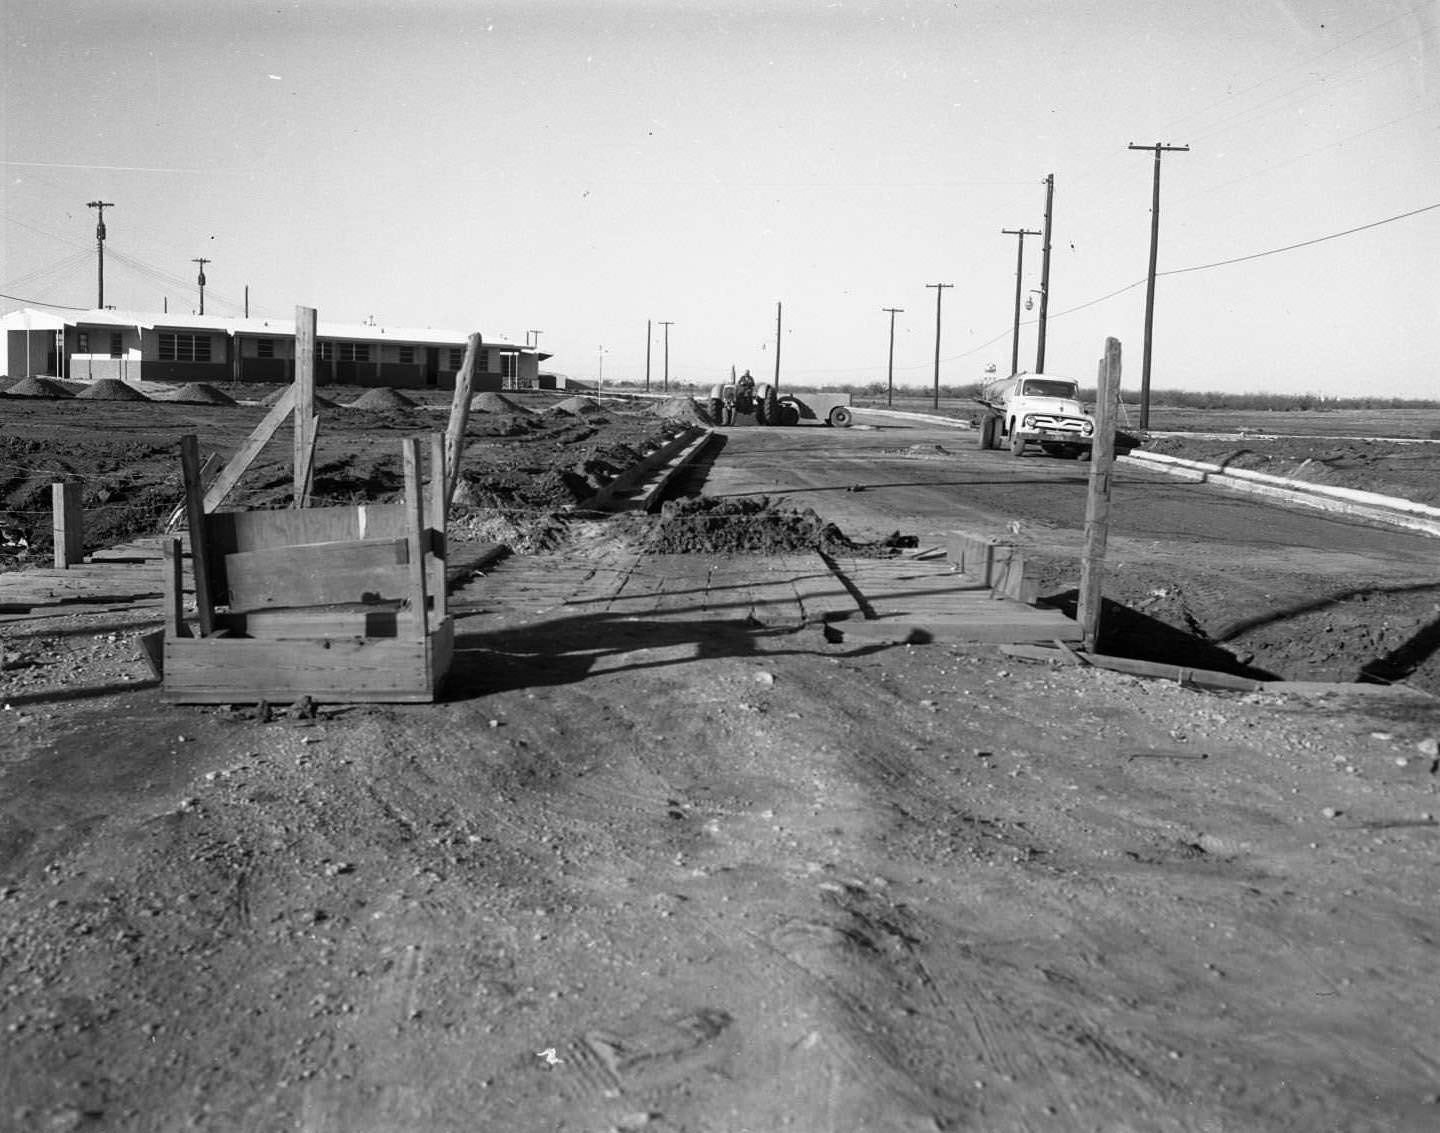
x=1017 y=442
x=841 y=417
x=987 y=431
x=788 y=413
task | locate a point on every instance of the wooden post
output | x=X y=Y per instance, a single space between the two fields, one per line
x=438 y=505
x=305 y=324
x=415 y=532
x=195 y=521
x=1097 y=504
x=68 y=525
x=459 y=417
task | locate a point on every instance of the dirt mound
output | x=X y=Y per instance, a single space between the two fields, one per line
x=384 y=398
x=586 y=407
x=200 y=393
x=685 y=409
x=111 y=389
x=495 y=403
x=713 y=526
x=38 y=387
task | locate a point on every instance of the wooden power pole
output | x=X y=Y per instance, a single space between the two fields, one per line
x=1045 y=274
x=1150 y=284
x=1097 y=503
x=890 y=371
x=939 y=291
x=1019 y=290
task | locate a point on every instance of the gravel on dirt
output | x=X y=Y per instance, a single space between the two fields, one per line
x=198 y=393
x=383 y=399
x=38 y=387
x=111 y=389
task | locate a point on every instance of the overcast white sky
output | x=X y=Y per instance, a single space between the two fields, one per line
x=580 y=166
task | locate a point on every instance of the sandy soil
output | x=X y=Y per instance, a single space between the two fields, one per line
x=667 y=875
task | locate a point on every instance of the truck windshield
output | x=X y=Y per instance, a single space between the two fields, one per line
x=1039 y=387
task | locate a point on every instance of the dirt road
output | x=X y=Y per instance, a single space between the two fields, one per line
x=669 y=869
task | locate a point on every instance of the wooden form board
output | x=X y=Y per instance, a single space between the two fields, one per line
x=242 y=670
x=331 y=603
x=994 y=563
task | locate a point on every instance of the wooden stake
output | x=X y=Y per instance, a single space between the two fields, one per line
x=438 y=504
x=195 y=520
x=231 y=473
x=304 y=409
x=1097 y=504
x=415 y=532
x=68 y=520
x=459 y=418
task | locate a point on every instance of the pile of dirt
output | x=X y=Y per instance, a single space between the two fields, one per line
x=496 y=403
x=685 y=409
x=38 y=387
x=586 y=407
x=200 y=393
x=753 y=524
x=1390 y=468
x=382 y=399
x=110 y=389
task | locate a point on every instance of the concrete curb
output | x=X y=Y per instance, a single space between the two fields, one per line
x=633 y=476
x=905 y=415
x=1390 y=510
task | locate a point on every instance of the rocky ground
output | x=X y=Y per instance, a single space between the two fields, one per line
x=674 y=877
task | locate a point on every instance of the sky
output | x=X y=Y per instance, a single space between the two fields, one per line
x=584 y=167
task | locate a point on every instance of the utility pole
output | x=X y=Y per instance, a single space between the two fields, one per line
x=667 y=326
x=247 y=300
x=202 y=262
x=777 y=347
x=1045 y=274
x=1019 y=286
x=100 y=207
x=1159 y=149
x=649 y=335
x=939 y=293
x=890 y=372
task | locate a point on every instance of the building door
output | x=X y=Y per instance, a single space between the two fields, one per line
x=432 y=366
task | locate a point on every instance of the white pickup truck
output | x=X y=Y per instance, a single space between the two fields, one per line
x=1039 y=408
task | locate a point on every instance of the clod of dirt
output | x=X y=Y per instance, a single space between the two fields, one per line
x=713 y=526
x=38 y=387
x=385 y=398
x=199 y=393
x=578 y=407
x=495 y=403
x=111 y=389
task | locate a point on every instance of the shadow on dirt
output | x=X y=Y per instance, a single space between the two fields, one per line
x=567 y=650
x=1128 y=633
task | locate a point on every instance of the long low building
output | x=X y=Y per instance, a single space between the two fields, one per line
x=136 y=346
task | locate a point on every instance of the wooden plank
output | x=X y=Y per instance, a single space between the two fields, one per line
x=438 y=503
x=1097 y=503
x=174 y=604
x=245 y=456
x=195 y=520
x=240 y=670
x=304 y=408
x=364 y=620
x=67 y=524
x=233 y=531
x=312 y=432
x=318 y=574
x=459 y=417
x=416 y=530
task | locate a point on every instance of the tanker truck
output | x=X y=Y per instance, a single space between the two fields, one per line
x=1039 y=408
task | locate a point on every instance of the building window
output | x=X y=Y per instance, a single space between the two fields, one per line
x=407 y=356
x=265 y=348
x=457 y=358
x=353 y=351
x=482 y=363
x=184 y=347
x=325 y=351
x=509 y=364
x=82 y=342
x=115 y=348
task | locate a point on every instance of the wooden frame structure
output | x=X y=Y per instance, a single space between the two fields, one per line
x=334 y=603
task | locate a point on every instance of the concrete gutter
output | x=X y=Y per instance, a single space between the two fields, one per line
x=1390 y=510
x=904 y=417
